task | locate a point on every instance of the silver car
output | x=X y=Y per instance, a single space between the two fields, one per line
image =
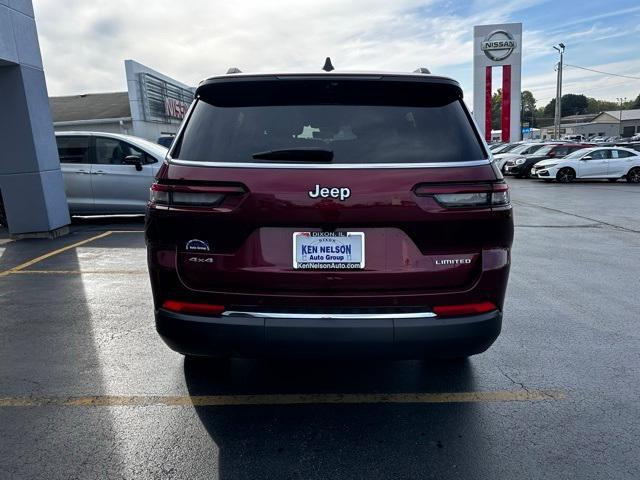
x=107 y=173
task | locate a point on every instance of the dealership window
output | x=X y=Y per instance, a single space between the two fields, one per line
x=110 y=151
x=73 y=149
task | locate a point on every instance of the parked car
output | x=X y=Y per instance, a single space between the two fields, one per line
x=521 y=166
x=107 y=173
x=166 y=140
x=590 y=163
x=632 y=145
x=505 y=147
x=519 y=151
x=329 y=215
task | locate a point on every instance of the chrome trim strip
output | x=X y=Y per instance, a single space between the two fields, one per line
x=340 y=166
x=330 y=316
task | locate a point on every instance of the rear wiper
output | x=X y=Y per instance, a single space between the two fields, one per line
x=296 y=154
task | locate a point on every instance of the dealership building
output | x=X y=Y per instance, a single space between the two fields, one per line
x=153 y=105
x=612 y=123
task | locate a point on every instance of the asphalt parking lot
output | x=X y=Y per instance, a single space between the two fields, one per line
x=88 y=390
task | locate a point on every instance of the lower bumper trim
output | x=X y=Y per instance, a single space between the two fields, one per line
x=297 y=336
x=330 y=316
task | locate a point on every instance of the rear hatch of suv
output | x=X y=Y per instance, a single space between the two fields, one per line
x=328 y=185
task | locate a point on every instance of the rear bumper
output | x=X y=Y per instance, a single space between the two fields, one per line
x=302 y=337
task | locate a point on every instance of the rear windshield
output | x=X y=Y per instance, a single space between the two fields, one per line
x=358 y=122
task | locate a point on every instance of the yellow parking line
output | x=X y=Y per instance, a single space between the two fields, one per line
x=288 y=399
x=51 y=254
x=81 y=272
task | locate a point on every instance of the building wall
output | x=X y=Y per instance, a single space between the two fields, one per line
x=31 y=182
x=631 y=127
x=591 y=129
x=595 y=129
x=126 y=128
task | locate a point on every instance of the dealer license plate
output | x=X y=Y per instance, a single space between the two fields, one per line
x=328 y=250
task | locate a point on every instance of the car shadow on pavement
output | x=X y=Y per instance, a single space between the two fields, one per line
x=356 y=440
x=49 y=347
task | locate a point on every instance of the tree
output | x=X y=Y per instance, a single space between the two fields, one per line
x=597 y=106
x=528 y=108
x=496 y=109
x=636 y=103
x=570 y=104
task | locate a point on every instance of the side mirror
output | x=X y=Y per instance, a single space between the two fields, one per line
x=134 y=160
x=588 y=157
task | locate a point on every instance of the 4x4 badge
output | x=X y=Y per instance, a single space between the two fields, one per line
x=201 y=259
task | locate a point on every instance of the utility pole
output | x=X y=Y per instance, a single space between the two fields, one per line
x=621 y=100
x=556 y=123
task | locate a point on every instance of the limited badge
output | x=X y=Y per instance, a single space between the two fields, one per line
x=196 y=245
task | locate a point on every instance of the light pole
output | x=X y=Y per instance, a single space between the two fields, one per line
x=621 y=100
x=556 y=123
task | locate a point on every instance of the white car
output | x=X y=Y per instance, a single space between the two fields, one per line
x=600 y=162
x=107 y=173
x=520 y=151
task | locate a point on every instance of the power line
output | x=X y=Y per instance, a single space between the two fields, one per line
x=604 y=73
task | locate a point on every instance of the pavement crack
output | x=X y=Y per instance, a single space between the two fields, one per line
x=520 y=384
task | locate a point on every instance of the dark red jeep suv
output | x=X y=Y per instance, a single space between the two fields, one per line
x=329 y=214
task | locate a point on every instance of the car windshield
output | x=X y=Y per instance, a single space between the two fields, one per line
x=545 y=149
x=504 y=148
x=526 y=148
x=357 y=122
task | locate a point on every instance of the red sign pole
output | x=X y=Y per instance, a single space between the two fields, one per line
x=506 y=103
x=487 y=105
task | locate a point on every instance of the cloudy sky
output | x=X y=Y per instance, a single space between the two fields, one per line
x=84 y=43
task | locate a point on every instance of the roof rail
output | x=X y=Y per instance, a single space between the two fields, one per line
x=421 y=70
x=233 y=70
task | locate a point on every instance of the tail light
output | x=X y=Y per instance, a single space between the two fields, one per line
x=466 y=309
x=193 y=196
x=193 y=308
x=467 y=196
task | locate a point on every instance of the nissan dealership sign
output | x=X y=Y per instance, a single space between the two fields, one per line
x=498 y=45
x=163 y=101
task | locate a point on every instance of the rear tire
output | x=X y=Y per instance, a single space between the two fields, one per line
x=634 y=175
x=566 y=175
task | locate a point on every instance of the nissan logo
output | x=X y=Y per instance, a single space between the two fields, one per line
x=498 y=45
